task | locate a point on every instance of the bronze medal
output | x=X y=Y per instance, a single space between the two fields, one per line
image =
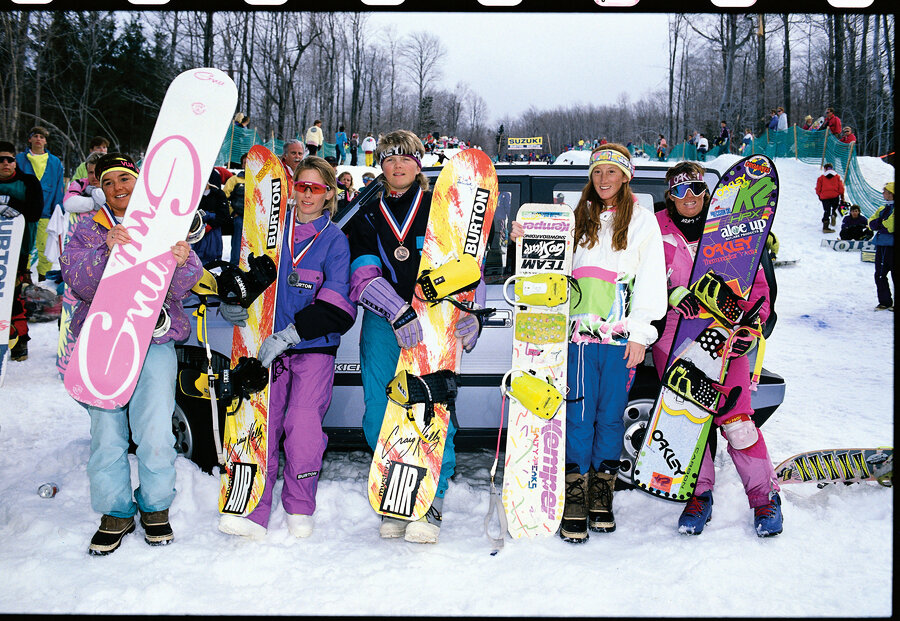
x=401 y=253
x=293 y=279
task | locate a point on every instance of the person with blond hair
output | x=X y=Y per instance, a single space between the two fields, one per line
x=312 y=311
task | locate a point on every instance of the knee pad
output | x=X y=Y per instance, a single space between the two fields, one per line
x=740 y=432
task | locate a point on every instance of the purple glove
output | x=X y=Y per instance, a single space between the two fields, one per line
x=684 y=302
x=380 y=298
x=467 y=330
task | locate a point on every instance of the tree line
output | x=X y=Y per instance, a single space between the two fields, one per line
x=90 y=73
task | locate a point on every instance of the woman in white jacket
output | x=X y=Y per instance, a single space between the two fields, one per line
x=620 y=268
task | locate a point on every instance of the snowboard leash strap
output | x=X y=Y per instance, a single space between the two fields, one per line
x=203 y=337
x=495 y=501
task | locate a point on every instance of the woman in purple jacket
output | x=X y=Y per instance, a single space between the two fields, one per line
x=312 y=310
x=149 y=412
x=681 y=224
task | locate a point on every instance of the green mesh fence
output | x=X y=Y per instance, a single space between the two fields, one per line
x=239 y=140
x=811 y=147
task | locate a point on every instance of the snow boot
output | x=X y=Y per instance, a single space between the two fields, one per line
x=19 y=351
x=833 y=219
x=300 y=526
x=767 y=519
x=601 y=485
x=110 y=534
x=392 y=528
x=241 y=526
x=696 y=514
x=574 y=526
x=157 y=530
x=826 y=228
x=427 y=528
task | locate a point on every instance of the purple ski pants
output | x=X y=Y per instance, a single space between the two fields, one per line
x=752 y=464
x=300 y=396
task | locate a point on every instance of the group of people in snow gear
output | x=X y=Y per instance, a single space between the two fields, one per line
x=622 y=252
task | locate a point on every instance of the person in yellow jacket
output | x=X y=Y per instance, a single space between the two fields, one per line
x=882 y=223
x=314 y=137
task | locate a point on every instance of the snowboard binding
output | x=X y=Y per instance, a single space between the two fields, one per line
x=407 y=390
x=247 y=377
x=198 y=228
x=545 y=289
x=236 y=286
x=720 y=301
x=535 y=394
x=686 y=380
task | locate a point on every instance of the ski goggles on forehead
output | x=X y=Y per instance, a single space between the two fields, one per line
x=680 y=190
x=315 y=188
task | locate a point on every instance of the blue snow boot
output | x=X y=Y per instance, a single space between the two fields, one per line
x=767 y=518
x=696 y=514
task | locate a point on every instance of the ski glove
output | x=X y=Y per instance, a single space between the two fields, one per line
x=4 y=199
x=684 y=302
x=276 y=344
x=8 y=212
x=98 y=196
x=234 y=314
x=406 y=327
x=468 y=330
x=380 y=298
x=741 y=344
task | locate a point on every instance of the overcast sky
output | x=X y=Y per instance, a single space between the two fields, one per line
x=546 y=60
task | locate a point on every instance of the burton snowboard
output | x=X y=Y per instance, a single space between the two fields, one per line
x=853 y=465
x=109 y=353
x=407 y=462
x=740 y=216
x=246 y=429
x=11 y=232
x=534 y=466
x=847 y=245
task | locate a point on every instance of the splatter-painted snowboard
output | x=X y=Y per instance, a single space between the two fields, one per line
x=737 y=225
x=407 y=462
x=534 y=466
x=109 y=353
x=246 y=429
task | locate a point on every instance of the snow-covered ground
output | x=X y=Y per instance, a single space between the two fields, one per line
x=835 y=557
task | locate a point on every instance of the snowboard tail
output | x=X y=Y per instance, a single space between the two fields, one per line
x=838 y=466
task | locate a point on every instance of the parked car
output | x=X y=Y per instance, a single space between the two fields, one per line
x=479 y=400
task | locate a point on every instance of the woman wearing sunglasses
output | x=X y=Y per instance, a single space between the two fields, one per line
x=681 y=223
x=312 y=310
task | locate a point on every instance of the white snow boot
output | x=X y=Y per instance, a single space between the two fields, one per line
x=243 y=527
x=300 y=526
x=427 y=528
x=392 y=528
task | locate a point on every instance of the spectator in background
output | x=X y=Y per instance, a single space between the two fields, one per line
x=354 y=148
x=48 y=169
x=661 y=147
x=234 y=191
x=782 y=119
x=368 y=147
x=882 y=223
x=855 y=226
x=291 y=153
x=702 y=147
x=807 y=123
x=238 y=118
x=99 y=144
x=314 y=137
x=830 y=190
x=340 y=144
x=20 y=194
x=747 y=140
x=368 y=177
x=245 y=122
x=214 y=208
x=773 y=120
x=346 y=191
x=847 y=135
x=833 y=122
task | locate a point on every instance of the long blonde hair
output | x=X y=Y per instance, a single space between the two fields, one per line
x=590 y=206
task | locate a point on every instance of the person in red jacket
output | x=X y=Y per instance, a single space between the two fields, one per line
x=847 y=135
x=833 y=122
x=830 y=190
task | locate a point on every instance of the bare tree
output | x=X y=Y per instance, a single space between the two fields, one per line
x=422 y=53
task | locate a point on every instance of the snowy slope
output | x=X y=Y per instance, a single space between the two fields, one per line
x=834 y=558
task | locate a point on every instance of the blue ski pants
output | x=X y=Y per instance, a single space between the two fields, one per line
x=378 y=355
x=598 y=383
x=149 y=415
